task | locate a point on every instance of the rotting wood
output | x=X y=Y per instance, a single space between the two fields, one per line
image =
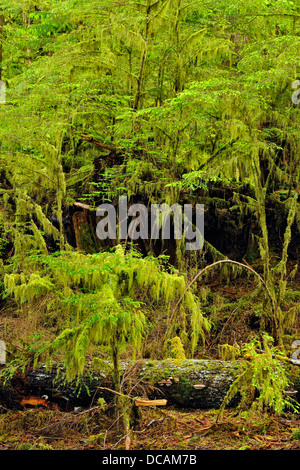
x=171 y=380
x=82 y=205
x=142 y=402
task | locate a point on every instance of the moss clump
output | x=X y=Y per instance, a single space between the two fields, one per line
x=96 y=439
x=177 y=349
x=37 y=446
x=295 y=436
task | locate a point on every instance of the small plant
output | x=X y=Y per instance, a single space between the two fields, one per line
x=25 y=446
x=101 y=403
x=96 y=439
x=262 y=380
x=228 y=352
x=295 y=436
x=37 y=446
x=177 y=349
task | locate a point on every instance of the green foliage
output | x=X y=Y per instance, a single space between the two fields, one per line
x=177 y=349
x=262 y=380
x=162 y=101
x=228 y=352
x=23 y=291
x=99 y=298
x=295 y=436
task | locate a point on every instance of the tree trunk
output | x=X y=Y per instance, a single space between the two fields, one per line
x=184 y=383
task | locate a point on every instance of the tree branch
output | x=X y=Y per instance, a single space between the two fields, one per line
x=92 y=140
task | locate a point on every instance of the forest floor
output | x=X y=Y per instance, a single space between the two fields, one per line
x=40 y=428
x=161 y=429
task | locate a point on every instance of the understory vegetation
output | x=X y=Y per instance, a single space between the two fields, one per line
x=166 y=101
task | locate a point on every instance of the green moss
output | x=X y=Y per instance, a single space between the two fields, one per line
x=184 y=389
x=295 y=436
x=25 y=446
x=96 y=439
x=177 y=349
x=37 y=446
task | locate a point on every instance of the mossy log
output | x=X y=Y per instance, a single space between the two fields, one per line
x=194 y=384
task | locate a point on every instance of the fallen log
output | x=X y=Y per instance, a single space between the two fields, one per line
x=199 y=384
